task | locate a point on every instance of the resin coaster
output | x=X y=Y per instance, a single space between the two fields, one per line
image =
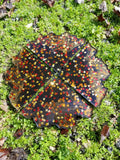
x=56 y=79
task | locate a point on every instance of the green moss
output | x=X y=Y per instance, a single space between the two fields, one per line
x=80 y=20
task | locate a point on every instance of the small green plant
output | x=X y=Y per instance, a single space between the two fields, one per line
x=1 y=2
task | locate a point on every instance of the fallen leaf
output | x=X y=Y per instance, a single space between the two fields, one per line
x=18 y=133
x=101 y=18
x=4 y=105
x=2 y=140
x=17 y=154
x=103 y=6
x=50 y=3
x=104 y=133
x=117 y=10
x=4 y=152
x=3 y=12
x=7 y=5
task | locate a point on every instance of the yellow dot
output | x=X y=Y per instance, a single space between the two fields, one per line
x=47 y=124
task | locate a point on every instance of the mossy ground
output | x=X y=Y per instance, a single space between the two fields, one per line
x=80 y=20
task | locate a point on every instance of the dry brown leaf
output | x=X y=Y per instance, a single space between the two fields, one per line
x=104 y=133
x=17 y=154
x=50 y=3
x=101 y=18
x=4 y=152
x=2 y=140
x=7 y=5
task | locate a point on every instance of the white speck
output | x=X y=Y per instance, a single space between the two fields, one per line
x=58 y=69
x=29 y=25
x=52 y=83
x=77 y=55
x=33 y=51
x=117 y=8
x=75 y=42
x=79 y=71
x=79 y=1
x=44 y=59
x=76 y=106
x=52 y=148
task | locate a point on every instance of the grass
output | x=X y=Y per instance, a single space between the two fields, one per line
x=80 y=20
